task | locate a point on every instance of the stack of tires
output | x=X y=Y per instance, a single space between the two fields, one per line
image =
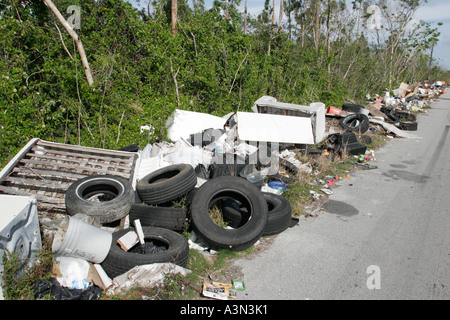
x=404 y=120
x=109 y=198
x=167 y=203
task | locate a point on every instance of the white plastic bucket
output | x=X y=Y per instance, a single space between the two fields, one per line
x=78 y=239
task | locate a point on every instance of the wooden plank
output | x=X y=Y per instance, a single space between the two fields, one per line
x=84 y=162
x=38 y=183
x=14 y=161
x=62 y=166
x=114 y=153
x=25 y=170
x=41 y=198
x=75 y=155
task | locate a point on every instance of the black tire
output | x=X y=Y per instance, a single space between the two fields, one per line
x=356 y=108
x=166 y=184
x=279 y=214
x=119 y=261
x=408 y=125
x=216 y=190
x=394 y=116
x=355 y=123
x=406 y=116
x=161 y=217
x=105 y=198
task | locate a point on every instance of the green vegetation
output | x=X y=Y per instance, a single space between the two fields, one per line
x=19 y=276
x=142 y=72
x=218 y=61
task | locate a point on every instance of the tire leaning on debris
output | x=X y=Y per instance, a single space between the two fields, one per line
x=355 y=123
x=279 y=214
x=219 y=189
x=119 y=261
x=166 y=184
x=156 y=216
x=103 y=197
x=356 y=108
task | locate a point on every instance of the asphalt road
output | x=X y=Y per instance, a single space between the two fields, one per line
x=384 y=234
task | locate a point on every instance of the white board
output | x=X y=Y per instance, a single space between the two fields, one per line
x=265 y=127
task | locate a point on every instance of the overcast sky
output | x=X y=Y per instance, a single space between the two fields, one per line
x=433 y=11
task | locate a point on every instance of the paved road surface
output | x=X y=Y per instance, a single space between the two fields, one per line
x=388 y=229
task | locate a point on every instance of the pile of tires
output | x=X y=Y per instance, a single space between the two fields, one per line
x=248 y=213
x=167 y=204
x=108 y=199
x=404 y=120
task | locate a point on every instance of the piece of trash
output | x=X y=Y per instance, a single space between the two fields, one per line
x=278 y=185
x=129 y=240
x=218 y=291
x=42 y=288
x=326 y=191
x=145 y=276
x=333 y=111
x=72 y=272
x=238 y=285
x=75 y=238
x=140 y=233
x=314 y=194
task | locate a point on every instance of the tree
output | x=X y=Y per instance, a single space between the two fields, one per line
x=75 y=37
x=174 y=15
x=245 y=17
x=280 y=20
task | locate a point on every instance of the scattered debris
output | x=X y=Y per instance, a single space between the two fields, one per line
x=221 y=177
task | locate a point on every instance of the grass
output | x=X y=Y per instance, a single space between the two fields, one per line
x=19 y=277
x=324 y=167
x=202 y=266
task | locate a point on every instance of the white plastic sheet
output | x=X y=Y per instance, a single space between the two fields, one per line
x=183 y=123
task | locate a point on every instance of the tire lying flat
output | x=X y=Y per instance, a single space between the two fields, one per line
x=166 y=184
x=216 y=190
x=105 y=198
x=119 y=261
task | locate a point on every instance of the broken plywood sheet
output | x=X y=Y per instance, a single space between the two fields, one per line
x=393 y=129
x=183 y=123
x=263 y=127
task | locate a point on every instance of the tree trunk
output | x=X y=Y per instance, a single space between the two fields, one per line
x=317 y=26
x=227 y=10
x=73 y=34
x=245 y=17
x=273 y=13
x=174 y=17
x=281 y=14
x=328 y=41
x=431 y=62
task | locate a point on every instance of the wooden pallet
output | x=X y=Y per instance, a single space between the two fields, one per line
x=46 y=169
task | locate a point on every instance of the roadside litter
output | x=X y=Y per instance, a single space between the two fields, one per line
x=119 y=218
